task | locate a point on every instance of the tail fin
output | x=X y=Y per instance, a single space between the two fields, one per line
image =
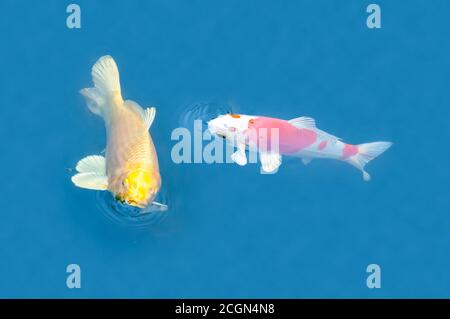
x=366 y=153
x=106 y=90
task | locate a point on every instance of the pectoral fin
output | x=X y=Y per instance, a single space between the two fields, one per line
x=92 y=164
x=239 y=157
x=91 y=173
x=91 y=181
x=269 y=162
x=306 y=160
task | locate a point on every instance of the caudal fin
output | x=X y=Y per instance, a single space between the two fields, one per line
x=366 y=153
x=106 y=90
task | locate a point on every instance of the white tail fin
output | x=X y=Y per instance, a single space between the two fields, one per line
x=106 y=90
x=366 y=153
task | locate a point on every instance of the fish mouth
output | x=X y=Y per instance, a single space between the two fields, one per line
x=216 y=131
x=128 y=201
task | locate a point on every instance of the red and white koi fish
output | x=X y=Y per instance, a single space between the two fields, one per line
x=130 y=169
x=298 y=137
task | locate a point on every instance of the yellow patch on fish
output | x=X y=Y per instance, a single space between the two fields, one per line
x=137 y=184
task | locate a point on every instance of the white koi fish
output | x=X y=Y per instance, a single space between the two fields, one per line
x=129 y=169
x=298 y=137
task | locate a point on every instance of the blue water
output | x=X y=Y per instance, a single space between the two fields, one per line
x=308 y=231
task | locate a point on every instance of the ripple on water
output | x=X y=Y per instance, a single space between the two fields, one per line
x=129 y=216
x=203 y=111
x=138 y=218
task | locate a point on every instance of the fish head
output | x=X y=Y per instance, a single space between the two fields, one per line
x=139 y=188
x=229 y=126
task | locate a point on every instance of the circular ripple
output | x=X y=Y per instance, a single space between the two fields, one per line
x=204 y=111
x=129 y=216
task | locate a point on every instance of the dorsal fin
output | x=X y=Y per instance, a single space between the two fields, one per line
x=150 y=114
x=147 y=115
x=309 y=123
x=303 y=122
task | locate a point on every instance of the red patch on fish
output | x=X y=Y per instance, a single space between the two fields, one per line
x=349 y=150
x=322 y=145
x=291 y=138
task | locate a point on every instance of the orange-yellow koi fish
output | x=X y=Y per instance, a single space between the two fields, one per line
x=129 y=169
